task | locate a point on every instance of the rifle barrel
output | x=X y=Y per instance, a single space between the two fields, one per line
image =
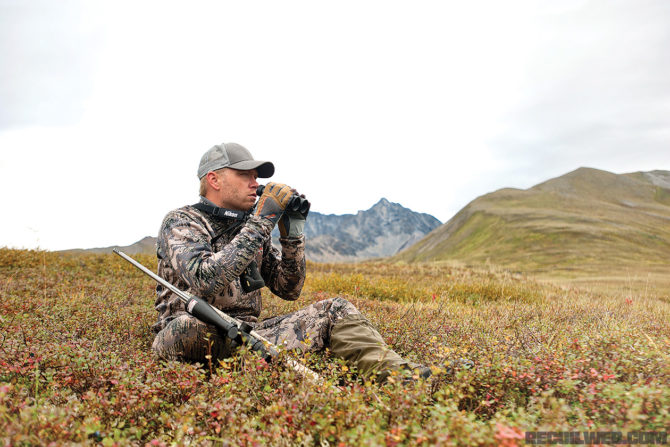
x=153 y=276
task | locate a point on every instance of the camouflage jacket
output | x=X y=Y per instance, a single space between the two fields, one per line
x=206 y=255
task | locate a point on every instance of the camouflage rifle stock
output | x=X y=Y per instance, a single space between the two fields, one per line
x=240 y=332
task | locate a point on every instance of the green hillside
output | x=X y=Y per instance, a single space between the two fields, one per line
x=586 y=220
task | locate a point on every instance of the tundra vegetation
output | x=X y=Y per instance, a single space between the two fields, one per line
x=76 y=368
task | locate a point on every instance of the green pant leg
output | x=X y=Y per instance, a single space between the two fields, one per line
x=355 y=339
x=336 y=324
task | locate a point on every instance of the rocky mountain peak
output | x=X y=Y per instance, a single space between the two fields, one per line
x=380 y=231
x=383 y=202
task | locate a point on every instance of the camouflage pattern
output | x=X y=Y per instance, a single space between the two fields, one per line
x=206 y=255
x=309 y=328
x=187 y=339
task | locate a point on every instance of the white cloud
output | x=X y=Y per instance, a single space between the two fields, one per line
x=428 y=104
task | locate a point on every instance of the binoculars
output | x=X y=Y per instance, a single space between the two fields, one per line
x=295 y=203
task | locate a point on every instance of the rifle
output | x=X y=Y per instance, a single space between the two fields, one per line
x=240 y=332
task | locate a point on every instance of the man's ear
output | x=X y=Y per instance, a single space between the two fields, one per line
x=214 y=181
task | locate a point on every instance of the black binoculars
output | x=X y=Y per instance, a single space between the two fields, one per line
x=295 y=203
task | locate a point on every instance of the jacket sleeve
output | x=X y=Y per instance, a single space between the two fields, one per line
x=185 y=241
x=284 y=274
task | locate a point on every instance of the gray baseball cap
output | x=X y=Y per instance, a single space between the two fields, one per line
x=232 y=155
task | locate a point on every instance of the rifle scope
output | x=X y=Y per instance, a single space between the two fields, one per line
x=295 y=203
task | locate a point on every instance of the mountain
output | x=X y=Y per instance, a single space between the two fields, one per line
x=381 y=231
x=145 y=245
x=587 y=218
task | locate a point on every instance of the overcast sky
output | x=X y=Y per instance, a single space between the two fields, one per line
x=107 y=107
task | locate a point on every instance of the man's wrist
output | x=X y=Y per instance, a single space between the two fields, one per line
x=262 y=224
x=289 y=240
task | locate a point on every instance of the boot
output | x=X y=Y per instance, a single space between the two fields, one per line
x=355 y=340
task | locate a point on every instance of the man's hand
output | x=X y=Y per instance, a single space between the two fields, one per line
x=273 y=201
x=292 y=223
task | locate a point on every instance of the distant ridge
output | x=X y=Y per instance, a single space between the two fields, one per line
x=381 y=231
x=587 y=217
x=145 y=245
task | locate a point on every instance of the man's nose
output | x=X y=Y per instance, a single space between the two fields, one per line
x=254 y=183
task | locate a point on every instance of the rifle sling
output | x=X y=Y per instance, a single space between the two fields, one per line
x=222 y=213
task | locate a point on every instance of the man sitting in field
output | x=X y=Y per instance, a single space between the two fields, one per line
x=204 y=248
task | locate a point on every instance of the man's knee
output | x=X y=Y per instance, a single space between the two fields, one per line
x=170 y=342
x=188 y=339
x=341 y=307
